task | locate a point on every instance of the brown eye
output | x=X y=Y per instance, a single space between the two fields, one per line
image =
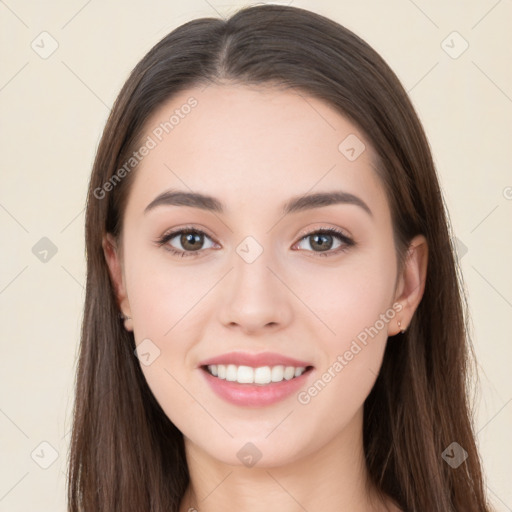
x=191 y=240
x=323 y=240
x=185 y=242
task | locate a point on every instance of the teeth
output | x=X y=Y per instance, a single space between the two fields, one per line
x=278 y=373
x=231 y=372
x=261 y=375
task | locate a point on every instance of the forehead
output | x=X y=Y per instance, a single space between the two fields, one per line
x=246 y=144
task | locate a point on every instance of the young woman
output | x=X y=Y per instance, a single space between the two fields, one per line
x=274 y=319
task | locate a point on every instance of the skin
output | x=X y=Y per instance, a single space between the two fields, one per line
x=254 y=149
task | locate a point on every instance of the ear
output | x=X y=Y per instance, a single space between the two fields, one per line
x=115 y=266
x=411 y=283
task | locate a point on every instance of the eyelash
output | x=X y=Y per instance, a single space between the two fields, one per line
x=348 y=242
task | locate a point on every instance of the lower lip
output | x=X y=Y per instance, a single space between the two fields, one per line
x=253 y=394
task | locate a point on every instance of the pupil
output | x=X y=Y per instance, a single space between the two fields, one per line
x=194 y=239
x=324 y=244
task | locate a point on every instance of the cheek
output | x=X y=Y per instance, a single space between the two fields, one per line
x=353 y=305
x=346 y=298
x=165 y=305
x=163 y=297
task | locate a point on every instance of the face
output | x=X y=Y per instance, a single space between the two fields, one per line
x=252 y=279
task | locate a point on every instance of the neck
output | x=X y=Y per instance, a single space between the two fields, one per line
x=333 y=478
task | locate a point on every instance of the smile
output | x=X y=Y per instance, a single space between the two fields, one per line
x=255 y=387
x=262 y=375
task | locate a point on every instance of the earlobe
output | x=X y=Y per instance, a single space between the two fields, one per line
x=413 y=283
x=114 y=264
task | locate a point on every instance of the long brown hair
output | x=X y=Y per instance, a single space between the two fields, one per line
x=125 y=453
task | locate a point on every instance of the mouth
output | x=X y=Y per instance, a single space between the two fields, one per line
x=259 y=376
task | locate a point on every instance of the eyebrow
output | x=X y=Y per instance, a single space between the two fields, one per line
x=295 y=204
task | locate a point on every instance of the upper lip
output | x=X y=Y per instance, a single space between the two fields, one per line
x=254 y=360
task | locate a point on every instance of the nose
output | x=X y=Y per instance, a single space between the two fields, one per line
x=254 y=296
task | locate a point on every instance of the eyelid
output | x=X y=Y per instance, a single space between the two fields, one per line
x=345 y=238
x=195 y=228
x=323 y=227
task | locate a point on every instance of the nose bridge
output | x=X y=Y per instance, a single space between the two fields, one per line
x=255 y=297
x=251 y=260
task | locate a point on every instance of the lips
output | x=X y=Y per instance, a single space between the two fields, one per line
x=256 y=395
x=254 y=360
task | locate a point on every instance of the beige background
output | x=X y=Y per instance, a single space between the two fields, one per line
x=53 y=110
